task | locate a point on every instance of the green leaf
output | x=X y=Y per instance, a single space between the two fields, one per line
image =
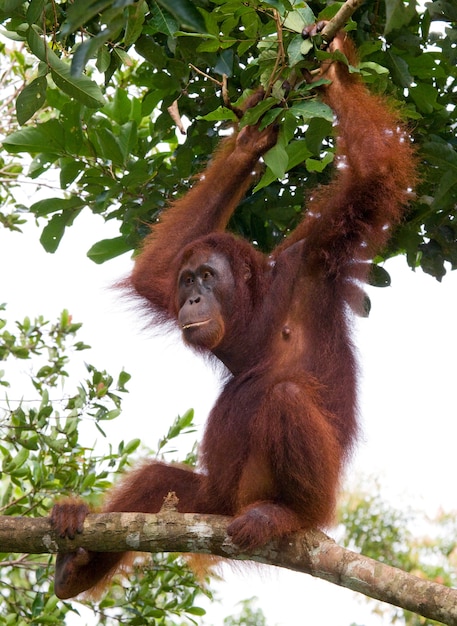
x=81 y=12
x=224 y=63
x=107 y=144
x=163 y=21
x=373 y=68
x=212 y=44
x=318 y=129
x=425 y=97
x=13 y=465
x=330 y=11
x=51 y=205
x=135 y=21
x=151 y=51
x=297 y=152
x=446 y=183
x=443 y=10
x=122 y=380
x=269 y=117
x=308 y=109
x=398 y=14
x=195 y=610
x=277 y=160
x=81 y=88
x=400 y=70
x=90 y=48
x=69 y=171
x=319 y=165
x=298 y=19
x=127 y=139
x=379 y=277
x=103 y=60
x=294 y=50
x=55 y=229
x=108 y=249
x=440 y=153
x=34 y=11
x=131 y=446
x=253 y=115
x=186 y=13
x=31 y=98
x=218 y=115
x=48 y=136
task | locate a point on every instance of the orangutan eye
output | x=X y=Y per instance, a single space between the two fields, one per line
x=187 y=279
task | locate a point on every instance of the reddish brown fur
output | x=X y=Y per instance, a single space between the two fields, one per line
x=285 y=421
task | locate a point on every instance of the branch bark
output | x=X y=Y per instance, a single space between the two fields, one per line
x=311 y=553
x=339 y=19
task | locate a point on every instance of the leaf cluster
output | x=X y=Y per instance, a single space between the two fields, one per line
x=99 y=78
x=44 y=457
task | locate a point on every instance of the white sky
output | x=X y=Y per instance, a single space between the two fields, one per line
x=408 y=350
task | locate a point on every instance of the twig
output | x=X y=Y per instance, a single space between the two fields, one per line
x=214 y=80
x=280 y=57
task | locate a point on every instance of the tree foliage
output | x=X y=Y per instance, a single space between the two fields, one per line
x=92 y=84
x=45 y=455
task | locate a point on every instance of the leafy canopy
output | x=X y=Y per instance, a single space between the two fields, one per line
x=92 y=83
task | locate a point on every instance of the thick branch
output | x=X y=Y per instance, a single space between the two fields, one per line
x=339 y=19
x=312 y=553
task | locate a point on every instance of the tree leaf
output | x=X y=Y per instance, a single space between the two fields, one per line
x=399 y=69
x=163 y=21
x=108 y=249
x=135 y=21
x=297 y=152
x=55 y=229
x=186 y=13
x=277 y=160
x=31 y=98
x=307 y=109
x=253 y=115
x=379 y=277
x=127 y=139
x=87 y=50
x=34 y=11
x=298 y=19
x=218 y=115
x=82 y=11
x=108 y=145
x=294 y=50
x=398 y=14
x=81 y=88
x=319 y=165
x=51 y=205
x=440 y=153
x=35 y=140
x=425 y=97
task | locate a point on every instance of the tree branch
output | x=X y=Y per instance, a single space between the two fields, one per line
x=168 y=531
x=339 y=19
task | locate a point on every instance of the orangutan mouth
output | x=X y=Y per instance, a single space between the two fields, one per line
x=195 y=324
